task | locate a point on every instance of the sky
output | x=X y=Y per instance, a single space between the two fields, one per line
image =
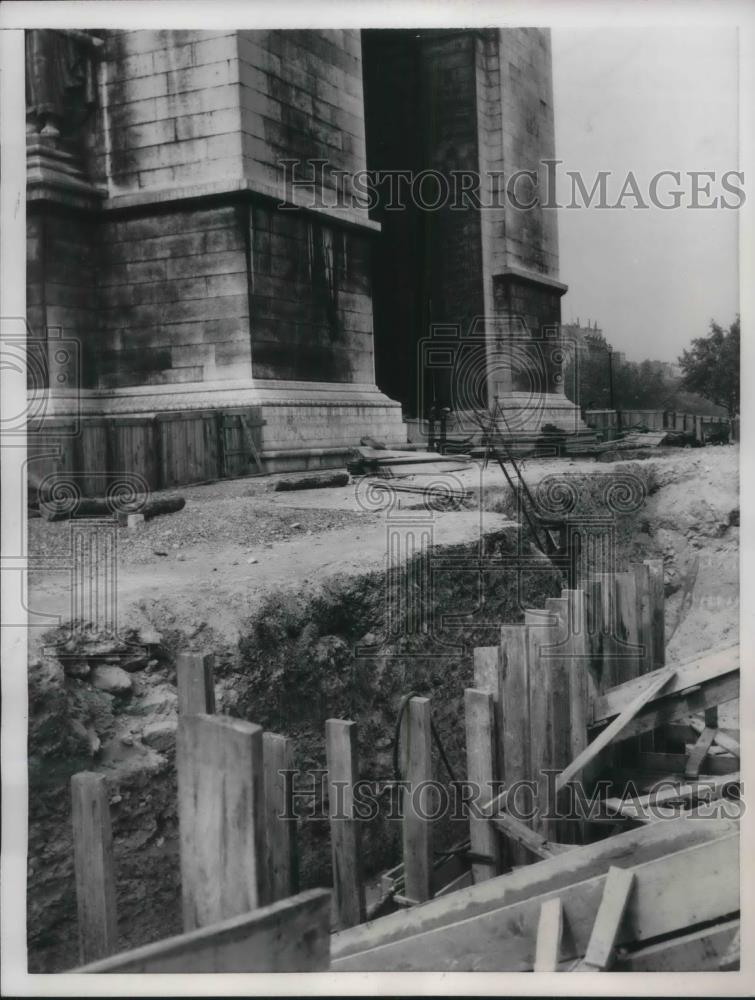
x=646 y=100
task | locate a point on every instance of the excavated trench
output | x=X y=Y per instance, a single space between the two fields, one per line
x=312 y=653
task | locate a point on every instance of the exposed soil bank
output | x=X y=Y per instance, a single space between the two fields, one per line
x=295 y=663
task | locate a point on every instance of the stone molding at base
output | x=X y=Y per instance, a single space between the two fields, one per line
x=513 y=273
x=143 y=400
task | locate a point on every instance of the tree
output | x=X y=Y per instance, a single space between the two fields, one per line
x=711 y=367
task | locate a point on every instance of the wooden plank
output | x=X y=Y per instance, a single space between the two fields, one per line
x=615 y=728
x=644 y=805
x=697 y=672
x=221 y=817
x=669 y=708
x=196 y=684
x=281 y=848
x=540 y=737
x=416 y=828
x=730 y=961
x=628 y=658
x=605 y=932
x=345 y=831
x=628 y=849
x=291 y=935
x=503 y=939
x=657 y=613
x=605 y=617
x=514 y=719
x=699 y=752
x=697 y=951
x=549 y=932
x=489 y=671
x=675 y=763
x=93 y=866
x=721 y=739
x=479 y=716
x=565 y=676
x=520 y=833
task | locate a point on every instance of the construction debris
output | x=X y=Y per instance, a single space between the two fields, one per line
x=374 y=461
x=108 y=507
x=313 y=482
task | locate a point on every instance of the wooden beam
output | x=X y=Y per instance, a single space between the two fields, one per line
x=629 y=654
x=520 y=833
x=675 y=763
x=540 y=629
x=699 y=752
x=514 y=733
x=646 y=805
x=281 y=848
x=631 y=848
x=722 y=740
x=93 y=866
x=479 y=716
x=221 y=817
x=291 y=935
x=196 y=684
x=345 y=831
x=503 y=939
x=549 y=931
x=697 y=951
x=605 y=932
x=489 y=675
x=616 y=727
x=657 y=613
x=415 y=741
x=700 y=671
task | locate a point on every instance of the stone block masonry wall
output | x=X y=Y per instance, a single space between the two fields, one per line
x=170 y=111
x=311 y=299
x=61 y=257
x=530 y=238
x=183 y=107
x=301 y=98
x=448 y=112
x=174 y=297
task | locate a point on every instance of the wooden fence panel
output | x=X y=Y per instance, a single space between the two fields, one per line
x=221 y=817
x=292 y=935
x=94 y=866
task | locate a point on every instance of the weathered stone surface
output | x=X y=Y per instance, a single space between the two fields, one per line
x=113 y=680
x=76 y=668
x=160 y=735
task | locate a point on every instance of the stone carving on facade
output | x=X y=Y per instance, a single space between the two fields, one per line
x=61 y=81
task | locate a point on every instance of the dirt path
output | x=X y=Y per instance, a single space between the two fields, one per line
x=235 y=541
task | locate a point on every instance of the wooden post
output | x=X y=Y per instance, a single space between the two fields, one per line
x=514 y=733
x=605 y=618
x=541 y=716
x=196 y=685
x=489 y=676
x=558 y=663
x=417 y=828
x=221 y=817
x=627 y=628
x=653 y=624
x=281 y=855
x=479 y=716
x=343 y=772
x=613 y=904
x=549 y=929
x=93 y=866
